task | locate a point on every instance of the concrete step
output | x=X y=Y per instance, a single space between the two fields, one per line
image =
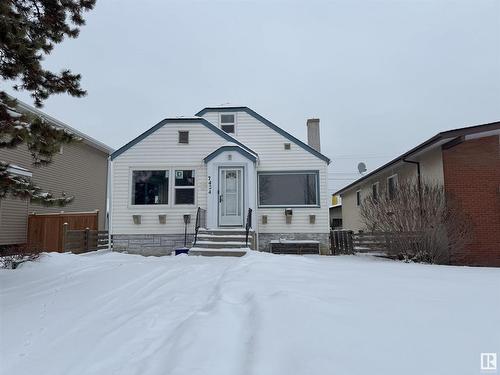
x=203 y=251
x=223 y=232
x=222 y=237
x=220 y=244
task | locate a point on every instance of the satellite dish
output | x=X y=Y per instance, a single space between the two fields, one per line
x=361 y=168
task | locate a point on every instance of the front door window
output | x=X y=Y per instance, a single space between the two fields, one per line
x=231 y=197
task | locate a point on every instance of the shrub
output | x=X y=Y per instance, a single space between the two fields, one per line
x=422 y=224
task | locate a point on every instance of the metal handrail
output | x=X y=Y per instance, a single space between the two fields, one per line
x=248 y=225
x=201 y=218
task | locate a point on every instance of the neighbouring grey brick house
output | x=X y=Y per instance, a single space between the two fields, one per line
x=80 y=169
x=225 y=161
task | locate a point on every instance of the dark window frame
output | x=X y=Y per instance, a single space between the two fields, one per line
x=318 y=191
x=391 y=193
x=176 y=187
x=186 y=134
x=133 y=191
x=225 y=125
x=358 y=198
x=375 y=191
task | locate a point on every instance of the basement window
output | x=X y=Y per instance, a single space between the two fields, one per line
x=228 y=122
x=150 y=187
x=288 y=189
x=183 y=136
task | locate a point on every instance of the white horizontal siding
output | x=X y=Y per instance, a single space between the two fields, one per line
x=269 y=145
x=161 y=150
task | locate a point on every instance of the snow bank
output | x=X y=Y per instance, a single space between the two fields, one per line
x=110 y=313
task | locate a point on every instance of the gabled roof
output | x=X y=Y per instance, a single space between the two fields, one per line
x=166 y=121
x=269 y=124
x=454 y=136
x=231 y=147
x=26 y=108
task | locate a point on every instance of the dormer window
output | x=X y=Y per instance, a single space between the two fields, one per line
x=228 y=122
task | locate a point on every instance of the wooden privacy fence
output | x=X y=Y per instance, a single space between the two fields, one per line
x=348 y=242
x=83 y=241
x=45 y=231
x=341 y=242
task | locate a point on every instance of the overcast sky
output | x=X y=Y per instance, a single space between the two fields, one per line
x=382 y=76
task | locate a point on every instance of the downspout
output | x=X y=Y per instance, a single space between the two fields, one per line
x=110 y=201
x=255 y=212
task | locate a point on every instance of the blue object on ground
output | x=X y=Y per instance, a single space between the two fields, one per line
x=181 y=250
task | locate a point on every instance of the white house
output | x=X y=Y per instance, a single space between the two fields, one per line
x=222 y=162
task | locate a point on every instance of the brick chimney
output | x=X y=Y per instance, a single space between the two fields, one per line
x=313 y=134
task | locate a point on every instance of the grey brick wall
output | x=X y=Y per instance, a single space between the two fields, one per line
x=323 y=238
x=149 y=244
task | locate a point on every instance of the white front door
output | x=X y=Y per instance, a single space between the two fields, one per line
x=231 y=210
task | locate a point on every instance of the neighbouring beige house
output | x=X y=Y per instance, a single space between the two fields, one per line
x=336 y=212
x=466 y=162
x=80 y=170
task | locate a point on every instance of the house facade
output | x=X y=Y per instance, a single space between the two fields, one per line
x=224 y=161
x=80 y=169
x=466 y=162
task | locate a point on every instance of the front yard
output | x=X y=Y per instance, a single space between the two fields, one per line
x=110 y=313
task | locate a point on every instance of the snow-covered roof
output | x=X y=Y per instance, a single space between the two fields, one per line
x=23 y=107
x=18 y=170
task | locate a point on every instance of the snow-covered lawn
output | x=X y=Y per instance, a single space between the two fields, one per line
x=109 y=313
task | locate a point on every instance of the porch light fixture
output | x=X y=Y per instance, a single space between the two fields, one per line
x=288 y=215
x=162 y=219
x=137 y=219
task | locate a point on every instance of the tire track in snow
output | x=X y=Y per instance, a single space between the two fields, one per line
x=180 y=337
x=192 y=349
x=150 y=351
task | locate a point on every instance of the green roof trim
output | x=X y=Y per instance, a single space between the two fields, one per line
x=269 y=124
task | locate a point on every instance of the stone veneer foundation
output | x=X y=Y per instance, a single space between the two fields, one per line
x=149 y=244
x=164 y=244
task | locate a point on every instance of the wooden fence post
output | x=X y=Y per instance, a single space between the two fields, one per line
x=64 y=237
x=86 y=240
x=350 y=241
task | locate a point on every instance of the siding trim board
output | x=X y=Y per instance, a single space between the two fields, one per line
x=166 y=121
x=265 y=121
